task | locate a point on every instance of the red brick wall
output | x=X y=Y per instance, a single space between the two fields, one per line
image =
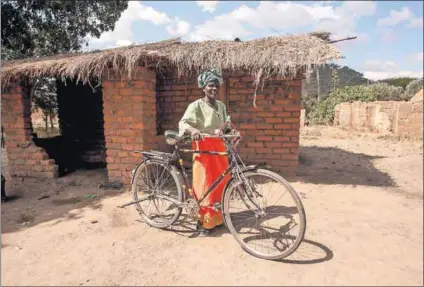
x=271 y=131
x=24 y=158
x=129 y=110
x=173 y=96
x=132 y=109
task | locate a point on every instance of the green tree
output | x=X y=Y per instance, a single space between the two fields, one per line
x=34 y=28
x=398 y=82
x=37 y=28
x=413 y=87
x=43 y=96
x=386 y=92
x=323 y=112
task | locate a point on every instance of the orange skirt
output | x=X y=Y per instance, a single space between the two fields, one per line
x=206 y=169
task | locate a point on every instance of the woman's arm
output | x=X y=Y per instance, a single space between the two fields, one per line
x=188 y=122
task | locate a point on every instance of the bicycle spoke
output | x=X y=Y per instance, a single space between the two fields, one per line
x=154 y=179
x=271 y=229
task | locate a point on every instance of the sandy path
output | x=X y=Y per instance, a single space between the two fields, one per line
x=360 y=231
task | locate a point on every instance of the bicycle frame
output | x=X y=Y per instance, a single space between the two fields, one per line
x=218 y=180
x=175 y=156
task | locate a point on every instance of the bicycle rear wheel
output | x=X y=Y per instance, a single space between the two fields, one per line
x=268 y=220
x=152 y=181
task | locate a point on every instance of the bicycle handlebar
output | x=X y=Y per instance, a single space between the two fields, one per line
x=235 y=137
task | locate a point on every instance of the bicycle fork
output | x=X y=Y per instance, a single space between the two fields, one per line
x=249 y=192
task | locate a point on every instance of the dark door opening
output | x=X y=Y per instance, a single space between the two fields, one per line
x=81 y=143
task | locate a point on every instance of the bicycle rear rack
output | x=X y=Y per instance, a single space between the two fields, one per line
x=153 y=154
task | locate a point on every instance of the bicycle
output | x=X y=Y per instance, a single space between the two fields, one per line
x=157 y=169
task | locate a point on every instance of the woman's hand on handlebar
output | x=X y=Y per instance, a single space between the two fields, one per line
x=195 y=134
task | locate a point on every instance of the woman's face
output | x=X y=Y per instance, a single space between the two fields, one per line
x=212 y=90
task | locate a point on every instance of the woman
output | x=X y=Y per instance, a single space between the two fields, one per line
x=206 y=116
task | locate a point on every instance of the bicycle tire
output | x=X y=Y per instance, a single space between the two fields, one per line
x=228 y=222
x=175 y=175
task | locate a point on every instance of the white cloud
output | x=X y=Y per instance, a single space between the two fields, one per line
x=283 y=16
x=377 y=70
x=380 y=66
x=348 y=13
x=386 y=75
x=403 y=15
x=415 y=23
x=358 y=8
x=122 y=35
x=396 y=17
x=178 y=27
x=122 y=31
x=207 y=6
x=147 y=13
x=123 y=43
x=221 y=27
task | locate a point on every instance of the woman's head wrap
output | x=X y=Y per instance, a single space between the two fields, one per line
x=209 y=76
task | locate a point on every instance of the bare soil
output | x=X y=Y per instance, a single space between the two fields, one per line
x=363 y=196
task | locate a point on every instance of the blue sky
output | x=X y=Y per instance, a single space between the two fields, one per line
x=390 y=33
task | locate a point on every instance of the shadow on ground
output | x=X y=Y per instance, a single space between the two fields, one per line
x=329 y=165
x=309 y=252
x=37 y=201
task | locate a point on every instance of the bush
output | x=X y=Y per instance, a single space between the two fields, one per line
x=398 y=82
x=413 y=88
x=323 y=112
x=309 y=103
x=386 y=92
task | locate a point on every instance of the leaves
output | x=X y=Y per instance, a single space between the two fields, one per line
x=44 y=28
x=413 y=88
x=36 y=28
x=386 y=92
x=323 y=112
x=398 y=82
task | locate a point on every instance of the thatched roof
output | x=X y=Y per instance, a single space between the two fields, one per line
x=281 y=55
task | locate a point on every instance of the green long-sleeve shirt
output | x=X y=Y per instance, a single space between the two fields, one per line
x=203 y=117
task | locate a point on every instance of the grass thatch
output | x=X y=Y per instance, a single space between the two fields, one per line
x=262 y=58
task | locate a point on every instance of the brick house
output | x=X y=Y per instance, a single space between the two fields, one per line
x=115 y=101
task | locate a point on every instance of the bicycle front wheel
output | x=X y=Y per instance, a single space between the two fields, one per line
x=267 y=217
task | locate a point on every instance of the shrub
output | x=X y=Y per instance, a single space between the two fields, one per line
x=413 y=88
x=386 y=92
x=398 y=82
x=323 y=112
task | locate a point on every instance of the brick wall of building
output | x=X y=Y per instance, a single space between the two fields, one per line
x=25 y=159
x=137 y=112
x=271 y=131
x=129 y=110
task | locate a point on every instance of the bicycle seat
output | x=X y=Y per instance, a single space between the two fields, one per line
x=172 y=137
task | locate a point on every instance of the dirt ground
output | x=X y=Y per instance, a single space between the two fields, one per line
x=363 y=196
